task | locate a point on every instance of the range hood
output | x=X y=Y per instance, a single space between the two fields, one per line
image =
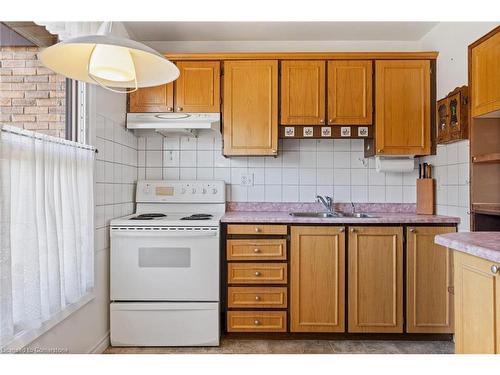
x=168 y=124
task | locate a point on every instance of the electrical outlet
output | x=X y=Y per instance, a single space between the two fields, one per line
x=246 y=179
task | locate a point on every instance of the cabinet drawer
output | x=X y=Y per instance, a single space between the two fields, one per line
x=256 y=249
x=247 y=297
x=256 y=229
x=256 y=321
x=257 y=273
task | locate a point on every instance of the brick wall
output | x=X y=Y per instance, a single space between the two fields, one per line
x=31 y=96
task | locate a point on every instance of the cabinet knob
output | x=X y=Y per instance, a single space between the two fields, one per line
x=257 y=230
x=322 y=121
x=330 y=121
x=413 y=230
x=451 y=290
x=342 y=230
x=256 y=250
x=257 y=298
x=170 y=109
x=353 y=230
x=179 y=109
x=256 y=322
x=494 y=269
x=257 y=273
x=380 y=151
x=274 y=151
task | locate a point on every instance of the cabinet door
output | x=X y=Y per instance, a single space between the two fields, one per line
x=250 y=107
x=153 y=99
x=429 y=279
x=350 y=92
x=375 y=279
x=317 y=279
x=485 y=76
x=302 y=92
x=477 y=299
x=198 y=87
x=402 y=100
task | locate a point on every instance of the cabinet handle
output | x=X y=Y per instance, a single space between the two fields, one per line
x=256 y=250
x=170 y=109
x=380 y=151
x=179 y=109
x=494 y=269
x=342 y=230
x=451 y=290
x=257 y=230
x=273 y=151
x=413 y=230
x=322 y=121
x=257 y=273
x=353 y=230
x=330 y=120
x=257 y=298
x=256 y=322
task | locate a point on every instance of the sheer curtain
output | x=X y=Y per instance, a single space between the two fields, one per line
x=47 y=231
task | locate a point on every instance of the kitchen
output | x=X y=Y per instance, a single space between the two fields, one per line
x=337 y=193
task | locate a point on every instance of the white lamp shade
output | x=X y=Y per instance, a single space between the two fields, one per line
x=74 y=59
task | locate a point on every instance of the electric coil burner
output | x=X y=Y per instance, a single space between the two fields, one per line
x=197 y=217
x=147 y=216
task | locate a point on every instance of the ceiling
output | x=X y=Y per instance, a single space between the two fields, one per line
x=277 y=31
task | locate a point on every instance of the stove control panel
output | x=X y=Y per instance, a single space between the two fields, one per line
x=181 y=191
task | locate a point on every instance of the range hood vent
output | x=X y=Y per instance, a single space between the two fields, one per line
x=170 y=124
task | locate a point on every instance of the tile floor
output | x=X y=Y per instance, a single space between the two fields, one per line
x=238 y=346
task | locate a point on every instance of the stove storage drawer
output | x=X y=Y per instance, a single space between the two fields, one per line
x=256 y=321
x=257 y=273
x=257 y=297
x=258 y=229
x=256 y=249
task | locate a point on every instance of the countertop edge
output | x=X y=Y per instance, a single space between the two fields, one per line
x=468 y=248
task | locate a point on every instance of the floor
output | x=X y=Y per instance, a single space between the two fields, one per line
x=238 y=346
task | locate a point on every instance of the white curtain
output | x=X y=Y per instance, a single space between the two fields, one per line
x=47 y=231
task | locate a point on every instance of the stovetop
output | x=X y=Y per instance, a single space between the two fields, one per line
x=169 y=219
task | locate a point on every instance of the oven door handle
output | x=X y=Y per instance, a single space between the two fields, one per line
x=163 y=233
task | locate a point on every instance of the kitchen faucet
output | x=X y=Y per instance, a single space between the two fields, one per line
x=327 y=202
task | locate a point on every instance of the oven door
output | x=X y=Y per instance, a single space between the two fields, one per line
x=164 y=264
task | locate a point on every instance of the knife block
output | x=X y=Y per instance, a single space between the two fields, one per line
x=426 y=193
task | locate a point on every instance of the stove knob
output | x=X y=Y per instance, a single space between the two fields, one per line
x=204 y=191
x=183 y=191
x=193 y=191
x=214 y=191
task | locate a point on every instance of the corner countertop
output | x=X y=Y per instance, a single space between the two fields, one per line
x=484 y=245
x=378 y=218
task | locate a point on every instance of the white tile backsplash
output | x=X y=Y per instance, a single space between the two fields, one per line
x=302 y=169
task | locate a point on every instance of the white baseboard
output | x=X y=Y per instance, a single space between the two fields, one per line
x=101 y=345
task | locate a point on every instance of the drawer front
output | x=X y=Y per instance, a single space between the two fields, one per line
x=256 y=249
x=256 y=229
x=249 y=297
x=256 y=321
x=257 y=273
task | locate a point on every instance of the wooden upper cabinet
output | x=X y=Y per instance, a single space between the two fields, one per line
x=198 y=87
x=153 y=99
x=250 y=107
x=485 y=76
x=477 y=305
x=375 y=279
x=302 y=92
x=317 y=279
x=429 y=300
x=403 y=103
x=350 y=92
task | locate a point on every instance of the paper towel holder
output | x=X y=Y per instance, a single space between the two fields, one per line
x=405 y=163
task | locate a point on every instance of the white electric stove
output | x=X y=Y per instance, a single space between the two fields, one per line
x=165 y=266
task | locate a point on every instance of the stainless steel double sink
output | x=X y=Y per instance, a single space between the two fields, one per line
x=332 y=215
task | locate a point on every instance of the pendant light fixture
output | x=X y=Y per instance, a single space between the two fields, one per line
x=109 y=61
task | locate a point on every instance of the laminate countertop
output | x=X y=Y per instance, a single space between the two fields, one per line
x=242 y=217
x=484 y=245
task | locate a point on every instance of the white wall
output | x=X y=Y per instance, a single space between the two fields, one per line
x=87 y=330
x=451 y=163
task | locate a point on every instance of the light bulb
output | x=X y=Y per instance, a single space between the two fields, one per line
x=112 y=63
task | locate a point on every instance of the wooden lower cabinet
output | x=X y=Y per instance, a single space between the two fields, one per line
x=375 y=279
x=429 y=282
x=477 y=305
x=257 y=297
x=256 y=321
x=317 y=279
